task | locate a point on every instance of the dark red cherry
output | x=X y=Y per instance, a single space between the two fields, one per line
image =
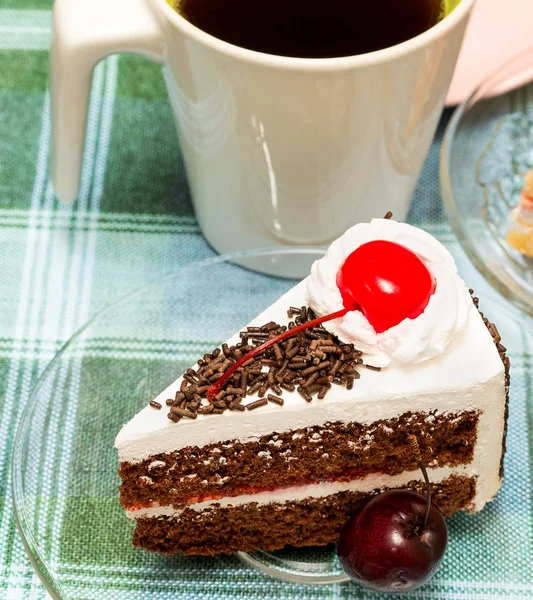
x=387 y=282
x=386 y=546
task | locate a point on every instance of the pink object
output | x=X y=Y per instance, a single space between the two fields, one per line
x=498 y=31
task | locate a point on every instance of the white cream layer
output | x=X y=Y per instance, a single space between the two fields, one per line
x=431 y=334
x=469 y=377
x=370 y=483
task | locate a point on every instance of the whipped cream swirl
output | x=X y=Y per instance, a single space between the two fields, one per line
x=412 y=341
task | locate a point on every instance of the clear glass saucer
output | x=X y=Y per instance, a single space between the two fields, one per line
x=64 y=465
x=487 y=150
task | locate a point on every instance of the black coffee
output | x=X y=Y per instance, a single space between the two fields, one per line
x=313 y=28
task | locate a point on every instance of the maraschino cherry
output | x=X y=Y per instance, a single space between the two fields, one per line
x=385 y=280
x=396 y=542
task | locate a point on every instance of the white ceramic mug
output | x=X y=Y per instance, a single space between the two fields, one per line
x=278 y=150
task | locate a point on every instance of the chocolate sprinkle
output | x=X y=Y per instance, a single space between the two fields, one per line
x=287 y=386
x=257 y=404
x=155 y=404
x=309 y=362
x=182 y=412
x=502 y=351
x=305 y=394
x=275 y=399
x=236 y=406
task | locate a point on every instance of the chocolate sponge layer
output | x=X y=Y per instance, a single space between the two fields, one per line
x=310 y=522
x=319 y=453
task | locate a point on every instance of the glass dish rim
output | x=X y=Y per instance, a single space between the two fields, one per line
x=249 y=559
x=38 y=563
x=450 y=200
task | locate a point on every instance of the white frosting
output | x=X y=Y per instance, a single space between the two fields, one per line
x=368 y=484
x=412 y=341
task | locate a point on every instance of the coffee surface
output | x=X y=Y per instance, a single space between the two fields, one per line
x=313 y=28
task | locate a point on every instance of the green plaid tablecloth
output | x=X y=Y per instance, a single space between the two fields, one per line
x=133 y=221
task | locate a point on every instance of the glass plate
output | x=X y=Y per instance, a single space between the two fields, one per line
x=65 y=467
x=487 y=149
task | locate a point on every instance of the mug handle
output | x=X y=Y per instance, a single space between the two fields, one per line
x=85 y=32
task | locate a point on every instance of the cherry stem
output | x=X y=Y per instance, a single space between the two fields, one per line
x=416 y=449
x=215 y=388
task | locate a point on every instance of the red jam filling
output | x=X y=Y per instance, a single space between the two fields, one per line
x=243 y=489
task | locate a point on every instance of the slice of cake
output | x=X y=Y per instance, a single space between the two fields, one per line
x=520 y=234
x=281 y=434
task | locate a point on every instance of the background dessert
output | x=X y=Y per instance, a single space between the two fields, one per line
x=520 y=235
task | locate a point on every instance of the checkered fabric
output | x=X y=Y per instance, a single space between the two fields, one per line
x=134 y=221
